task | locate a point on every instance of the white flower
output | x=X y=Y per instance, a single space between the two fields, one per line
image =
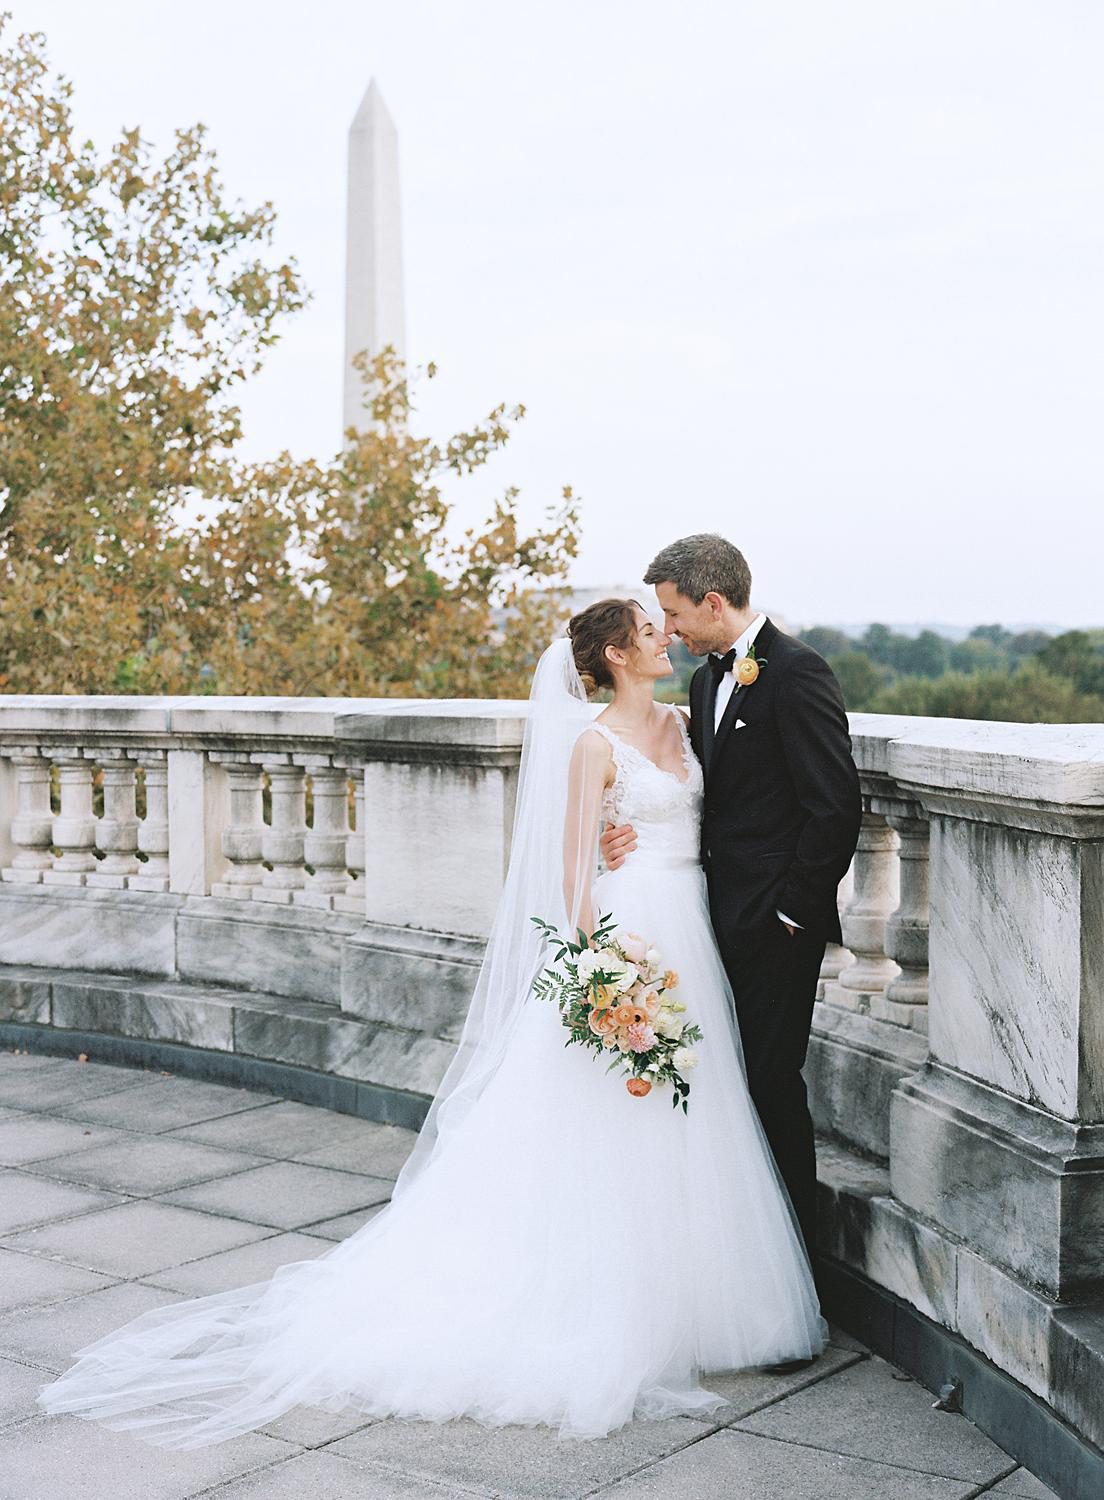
x=668 y=1024
x=651 y=958
x=587 y=962
x=685 y=1059
x=622 y=975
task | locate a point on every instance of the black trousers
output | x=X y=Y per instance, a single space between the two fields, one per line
x=774 y=980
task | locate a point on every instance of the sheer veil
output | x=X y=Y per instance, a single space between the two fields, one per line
x=534 y=886
x=203 y=1370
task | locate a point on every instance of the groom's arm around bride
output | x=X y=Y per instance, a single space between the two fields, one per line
x=780 y=821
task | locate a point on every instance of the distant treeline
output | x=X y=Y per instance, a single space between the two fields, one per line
x=1029 y=677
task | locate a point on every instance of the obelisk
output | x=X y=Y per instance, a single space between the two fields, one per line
x=374 y=314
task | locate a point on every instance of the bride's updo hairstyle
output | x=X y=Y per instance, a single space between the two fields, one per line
x=610 y=622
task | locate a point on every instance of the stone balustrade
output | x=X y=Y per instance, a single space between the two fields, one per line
x=307 y=885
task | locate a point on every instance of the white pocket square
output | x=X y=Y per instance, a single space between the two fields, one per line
x=739 y=724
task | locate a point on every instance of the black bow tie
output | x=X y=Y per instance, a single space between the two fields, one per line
x=719 y=665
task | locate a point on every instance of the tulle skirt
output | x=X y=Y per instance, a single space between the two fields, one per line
x=571 y=1256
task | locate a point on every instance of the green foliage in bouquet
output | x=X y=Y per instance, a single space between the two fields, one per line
x=613 y=995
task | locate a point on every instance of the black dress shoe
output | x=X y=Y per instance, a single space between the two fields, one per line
x=790 y=1366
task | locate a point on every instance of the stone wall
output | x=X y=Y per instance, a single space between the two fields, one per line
x=957 y=1062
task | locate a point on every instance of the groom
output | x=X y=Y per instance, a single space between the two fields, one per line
x=779 y=826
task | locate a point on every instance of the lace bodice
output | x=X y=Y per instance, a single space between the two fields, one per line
x=664 y=809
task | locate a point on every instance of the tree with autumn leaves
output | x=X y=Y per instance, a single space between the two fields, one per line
x=138 y=552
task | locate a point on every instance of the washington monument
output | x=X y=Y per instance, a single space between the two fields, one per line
x=374 y=314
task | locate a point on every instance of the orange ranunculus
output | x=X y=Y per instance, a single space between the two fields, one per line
x=746 y=670
x=670 y=980
x=638 y=1087
x=628 y=1015
x=601 y=1023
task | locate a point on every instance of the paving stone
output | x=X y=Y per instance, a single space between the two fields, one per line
x=346 y=1224
x=163 y=1104
x=736 y=1465
x=50 y=1336
x=54 y=1457
x=853 y=1412
x=27 y=1281
x=286 y=1195
x=63 y=1084
x=242 y=1266
x=843 y=1340
x=748 y=1390
x=26 y=1138
x=312 y=1427
x=140 y=1165
x=19 y=1385
x=284 y=1130
x=1022 y=1485
x=512 y=1461
x=27 y=1200
x=135 y=1239
x=379 y=1150
x=327 y=1476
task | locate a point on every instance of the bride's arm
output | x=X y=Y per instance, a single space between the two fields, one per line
x=591 y=772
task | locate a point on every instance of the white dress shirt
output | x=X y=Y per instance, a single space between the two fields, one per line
x=727 y=686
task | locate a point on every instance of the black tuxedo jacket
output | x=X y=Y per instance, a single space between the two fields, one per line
x=782 y=801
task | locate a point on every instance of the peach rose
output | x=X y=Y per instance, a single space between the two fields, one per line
x=651 y=1005
x=601 y=1023
x=638 y=1087
x=633 y=946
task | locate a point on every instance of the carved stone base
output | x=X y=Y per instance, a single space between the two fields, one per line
x=406 y=978
x=1053 y=1350
x=854 y=1064
x=1022 y=1187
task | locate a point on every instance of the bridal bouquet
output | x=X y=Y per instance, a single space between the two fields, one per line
x=615 y=996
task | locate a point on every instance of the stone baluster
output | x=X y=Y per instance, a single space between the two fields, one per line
x=243 y=837
x=282 y=842
x=355 y=851
x=74 y=832
x=32 y=828
x=906 y=997
x=836 y=958
x=864 y=922
x=324 y=844
x=117 y=830
x=153 y=830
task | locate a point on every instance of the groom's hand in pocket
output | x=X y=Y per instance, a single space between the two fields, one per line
x=616 y=843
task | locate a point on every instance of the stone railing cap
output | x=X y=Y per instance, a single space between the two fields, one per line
x=1054 y=763
x=465 y=722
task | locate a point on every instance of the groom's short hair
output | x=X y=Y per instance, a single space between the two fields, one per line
x=703 y=564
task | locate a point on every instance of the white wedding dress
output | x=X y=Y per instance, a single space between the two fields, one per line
x=571 y=1255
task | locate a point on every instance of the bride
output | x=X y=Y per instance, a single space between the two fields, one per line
x=557 y=1251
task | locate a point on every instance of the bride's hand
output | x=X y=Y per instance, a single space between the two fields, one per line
x=616 y=843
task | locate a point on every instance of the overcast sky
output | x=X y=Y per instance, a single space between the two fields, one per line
x=823 y=275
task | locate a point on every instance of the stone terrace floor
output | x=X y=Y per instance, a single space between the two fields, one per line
x=123 y=1190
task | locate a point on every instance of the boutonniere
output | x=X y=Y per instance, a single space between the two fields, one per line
x=747 y=668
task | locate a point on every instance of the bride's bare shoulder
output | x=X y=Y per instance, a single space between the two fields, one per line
x=592 y=743
x=592 y=754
